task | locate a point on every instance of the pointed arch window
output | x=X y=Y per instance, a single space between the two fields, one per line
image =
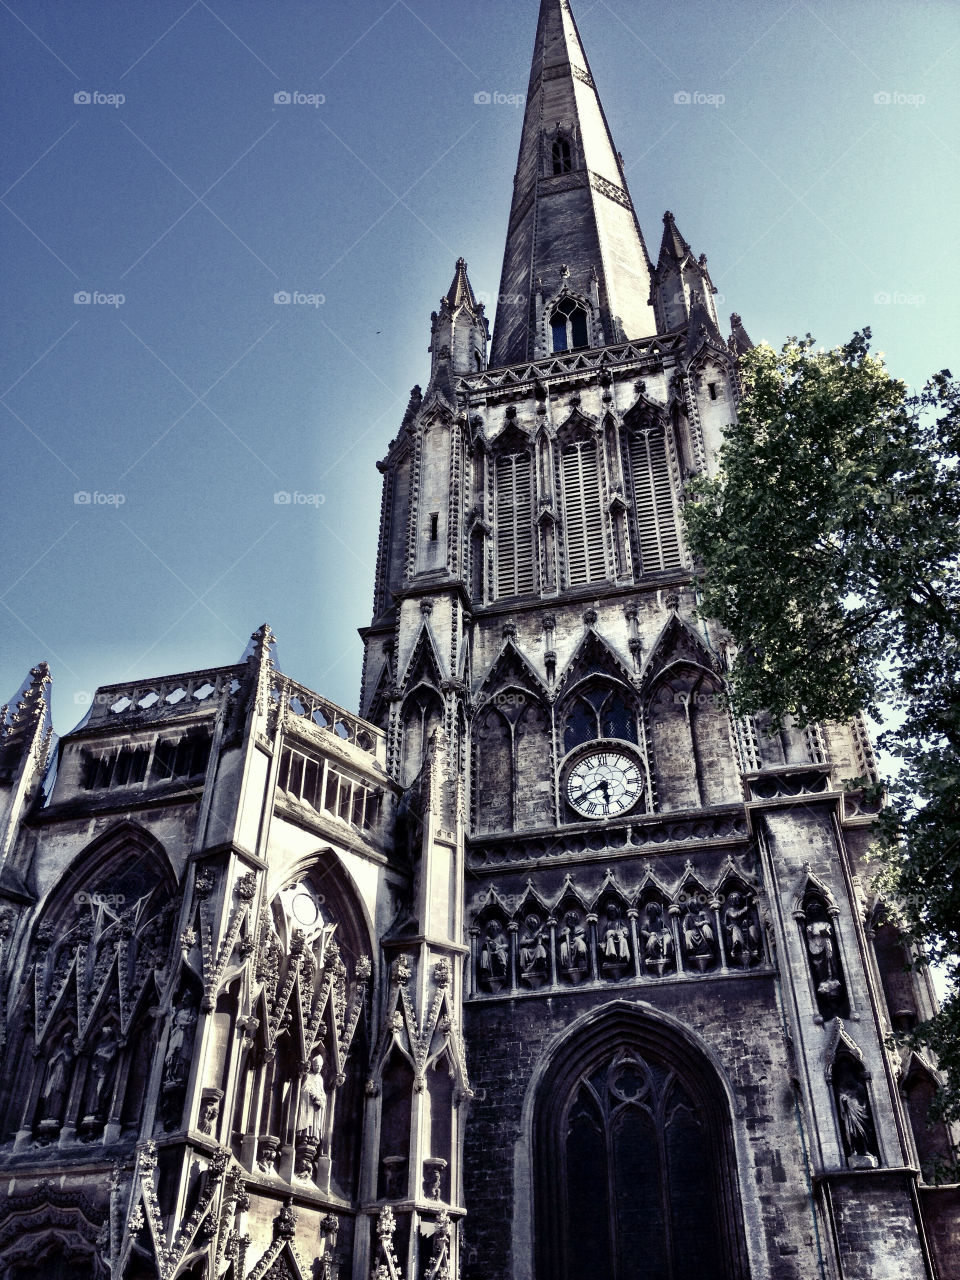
x=422 y=714
x=599 y=711
x=560 y=154
x=568 y=321
x=582 y=512
x=634 y=1166
x=514 y=516
x=658 y=531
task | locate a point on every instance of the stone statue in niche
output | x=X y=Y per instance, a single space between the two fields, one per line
x=821 y=942
x=101 y=1067
x=856 y=1122
x=533 y=954
x=56 y=1083
x=313 y=1099
x=493 y=956
x=177 y=1059
x=657 y=939
x=741 y=930
x=573 y=946
x=699 y=937
x=614 y=943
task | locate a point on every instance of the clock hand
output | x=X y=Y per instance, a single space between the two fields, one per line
x=590 y=790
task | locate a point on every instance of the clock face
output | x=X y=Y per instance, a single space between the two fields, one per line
x=604 y=784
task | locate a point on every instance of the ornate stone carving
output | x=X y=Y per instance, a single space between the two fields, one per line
x=657 y=940
x=210 y=1101
x=614 y=943
x=857 y=1129
x=574 y=958
x=494 y=957
x=741 y=930
x=532 y=952
x=698 y=931
x=313 y=1099
x=818 y=924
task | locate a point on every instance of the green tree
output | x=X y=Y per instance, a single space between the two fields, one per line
x=829 y=547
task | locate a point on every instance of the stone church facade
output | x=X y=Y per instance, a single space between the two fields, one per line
x=543 y=968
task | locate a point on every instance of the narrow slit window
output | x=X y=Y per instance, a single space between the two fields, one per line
x=434 y=526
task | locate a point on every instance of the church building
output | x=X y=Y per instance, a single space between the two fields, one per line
x=543 y=966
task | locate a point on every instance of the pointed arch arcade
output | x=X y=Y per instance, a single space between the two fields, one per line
x=633 y=1159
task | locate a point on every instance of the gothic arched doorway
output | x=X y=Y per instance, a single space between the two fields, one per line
x=636 y=1177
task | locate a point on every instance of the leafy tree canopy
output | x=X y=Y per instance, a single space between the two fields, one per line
x=829 y=541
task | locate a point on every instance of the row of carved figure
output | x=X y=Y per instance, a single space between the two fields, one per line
x=651 y=940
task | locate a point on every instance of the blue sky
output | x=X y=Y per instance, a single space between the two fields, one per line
x=185 y=408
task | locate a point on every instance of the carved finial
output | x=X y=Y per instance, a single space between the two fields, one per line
x=261 y=642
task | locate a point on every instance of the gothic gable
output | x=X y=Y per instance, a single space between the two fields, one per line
x=511 y=668
x=644 y=412
x=578 y=426
x=512 y=439
x=425 y=665
x=678 y=644
x=593 y=656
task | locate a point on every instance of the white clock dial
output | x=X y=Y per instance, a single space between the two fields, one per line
x=604 y=784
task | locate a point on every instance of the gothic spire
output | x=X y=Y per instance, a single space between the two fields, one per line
x=573 y=232
x=682 y=291
x=458 y=335
x=460 y=292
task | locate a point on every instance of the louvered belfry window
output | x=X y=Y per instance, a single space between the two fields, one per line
x=657 y=530
x=582 y=513
x=514 y=524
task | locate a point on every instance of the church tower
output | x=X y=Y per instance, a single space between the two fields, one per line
x=545 y=968
x=678 y=987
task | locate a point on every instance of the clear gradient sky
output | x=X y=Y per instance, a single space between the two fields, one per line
x=823 y=188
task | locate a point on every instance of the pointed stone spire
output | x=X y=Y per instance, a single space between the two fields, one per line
x=460 y=292
x=573 y=230
x=458 y=335
x=682 y=289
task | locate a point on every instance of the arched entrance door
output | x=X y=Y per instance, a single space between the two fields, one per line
x=634 y=1159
